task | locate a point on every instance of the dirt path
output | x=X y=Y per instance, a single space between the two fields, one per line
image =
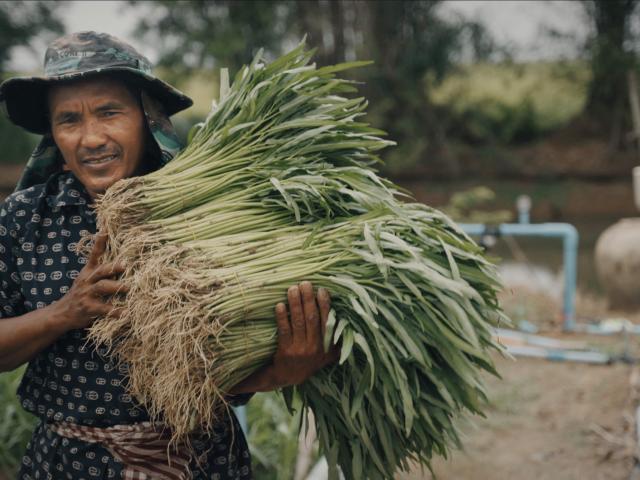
x=548 y=422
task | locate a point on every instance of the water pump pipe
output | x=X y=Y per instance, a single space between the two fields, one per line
x=565 y=231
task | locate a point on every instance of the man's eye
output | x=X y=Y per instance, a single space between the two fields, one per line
x=109 y=113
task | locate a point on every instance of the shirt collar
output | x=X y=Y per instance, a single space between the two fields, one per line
x=65 y=189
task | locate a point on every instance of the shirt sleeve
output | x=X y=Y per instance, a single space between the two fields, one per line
x=11 y=298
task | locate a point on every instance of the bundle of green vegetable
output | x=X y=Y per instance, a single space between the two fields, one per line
x=276 y=187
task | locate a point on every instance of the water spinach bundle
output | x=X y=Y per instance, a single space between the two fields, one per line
x=276 y=187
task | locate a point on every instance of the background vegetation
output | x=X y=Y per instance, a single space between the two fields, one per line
x=16 y=425
x=510 y=103
x=448 y=92
x=438 y=80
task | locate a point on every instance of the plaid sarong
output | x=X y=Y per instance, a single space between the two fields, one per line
x=141 y=447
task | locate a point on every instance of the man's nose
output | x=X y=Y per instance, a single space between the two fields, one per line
x=93 y=135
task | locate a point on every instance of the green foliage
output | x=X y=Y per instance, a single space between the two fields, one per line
x=16 y=425
x=509 y=103
x=273 y=437
x=464 y=207
x=21 y=21
x=610 y=52
x=198 y=34
x=17 y=144
x=407 y=40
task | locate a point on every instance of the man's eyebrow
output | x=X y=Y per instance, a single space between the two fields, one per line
x=110 y=105
x=65 y=115
x=72 y=114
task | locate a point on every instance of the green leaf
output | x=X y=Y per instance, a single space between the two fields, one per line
x=330 y=329
x=347 y=345
x=362 y=343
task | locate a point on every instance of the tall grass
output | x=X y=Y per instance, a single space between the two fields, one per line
x=16 y=425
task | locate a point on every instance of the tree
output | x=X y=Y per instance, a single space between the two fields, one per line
x=408 y=41
x=611 y=55
x=609 y=50
x=324 y=23
x=203 y=34
x=20 y=22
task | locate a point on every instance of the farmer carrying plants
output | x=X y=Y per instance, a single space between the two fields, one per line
x=104 y=117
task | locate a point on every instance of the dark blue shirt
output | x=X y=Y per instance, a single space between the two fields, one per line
x=72 y=380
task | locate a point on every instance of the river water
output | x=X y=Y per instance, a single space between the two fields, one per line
x=588 y=205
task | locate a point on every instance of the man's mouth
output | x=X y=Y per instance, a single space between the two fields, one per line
x=99 y=160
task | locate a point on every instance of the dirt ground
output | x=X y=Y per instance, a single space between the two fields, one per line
x=549 y=421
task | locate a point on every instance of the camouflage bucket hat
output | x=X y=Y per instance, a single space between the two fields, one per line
x=82 y=55
x=79 y=55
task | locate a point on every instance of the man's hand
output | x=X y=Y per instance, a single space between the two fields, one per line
x=91 y=292
x=300 y=351
x=22 y=337
x=300 y=336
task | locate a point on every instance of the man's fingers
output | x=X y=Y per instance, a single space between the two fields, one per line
x=284 y=327
x=115 y=312
x=324 y=302
x=297 y=315
x=100 y=309
x=99 y=247
x=107 y=270
x=109 y=287
x=311 y=314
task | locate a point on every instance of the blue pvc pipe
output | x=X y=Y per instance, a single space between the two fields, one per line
x=559 y=355
x=241 y=414
x=569 y=236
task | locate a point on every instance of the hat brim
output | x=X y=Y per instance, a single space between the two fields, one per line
x=25 y=98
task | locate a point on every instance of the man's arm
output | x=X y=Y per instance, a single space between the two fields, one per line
x=23 y=337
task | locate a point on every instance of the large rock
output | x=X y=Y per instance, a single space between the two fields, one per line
x=617 y=258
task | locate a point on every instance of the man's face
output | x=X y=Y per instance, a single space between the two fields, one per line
x=98 y=126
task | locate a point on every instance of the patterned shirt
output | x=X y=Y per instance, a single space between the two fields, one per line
x=72 y=380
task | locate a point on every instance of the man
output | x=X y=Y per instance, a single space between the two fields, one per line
x=103 y=117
